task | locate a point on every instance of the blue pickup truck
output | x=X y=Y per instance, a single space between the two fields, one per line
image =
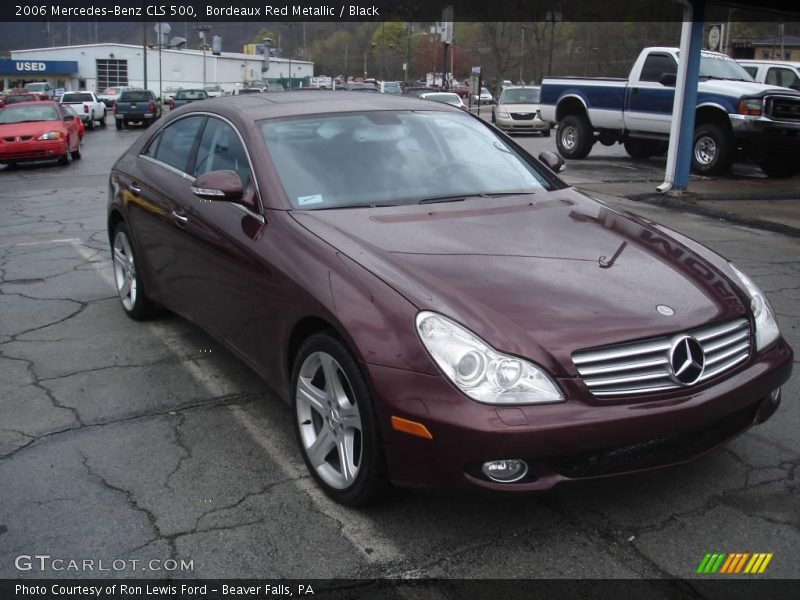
x=736 y=118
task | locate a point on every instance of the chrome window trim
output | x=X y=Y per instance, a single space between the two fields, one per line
x=192 y=178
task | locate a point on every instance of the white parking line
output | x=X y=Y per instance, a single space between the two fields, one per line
x=356 y=528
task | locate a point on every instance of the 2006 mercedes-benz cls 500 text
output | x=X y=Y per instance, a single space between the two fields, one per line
x=438 y=307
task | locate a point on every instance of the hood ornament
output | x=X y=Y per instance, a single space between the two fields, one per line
x=665 y=310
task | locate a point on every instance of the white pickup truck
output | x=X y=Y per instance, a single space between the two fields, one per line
x=735 y=116
x=88 y=107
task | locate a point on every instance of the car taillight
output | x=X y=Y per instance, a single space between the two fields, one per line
x=172 y=104
x=152 y=107
x=86 y=108
x=114 y=107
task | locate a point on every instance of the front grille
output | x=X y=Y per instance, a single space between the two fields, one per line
x=23 y=138
x=522 y=116
x=656 y=452
x=643 y=367
x=783 y=108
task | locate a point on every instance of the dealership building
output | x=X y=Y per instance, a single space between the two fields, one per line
x=95 y=67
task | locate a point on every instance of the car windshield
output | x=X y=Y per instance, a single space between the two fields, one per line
x=191 y=95
x=713 y=66
x=28 y=112
x=135 y=97
x=66 y=98
x=393 y=157
x=520 y=96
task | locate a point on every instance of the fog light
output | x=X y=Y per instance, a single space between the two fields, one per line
x=505 y=471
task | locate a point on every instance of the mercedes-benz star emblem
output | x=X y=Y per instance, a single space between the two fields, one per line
x=687 y=360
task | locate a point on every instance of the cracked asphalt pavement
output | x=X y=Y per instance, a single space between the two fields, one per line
x=121 y=440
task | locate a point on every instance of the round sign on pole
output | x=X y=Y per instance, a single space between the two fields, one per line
x=715 y=37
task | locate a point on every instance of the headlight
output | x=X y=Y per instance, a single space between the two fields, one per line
x=766 y=327
x=503 y=114
x=749 y=106
x=480 y=371
x=50 y=135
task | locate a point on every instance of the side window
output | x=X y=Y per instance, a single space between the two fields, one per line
x=173 y=146
x=782 y=77
x=752 y=70
x=655 y=65
x=221 y=150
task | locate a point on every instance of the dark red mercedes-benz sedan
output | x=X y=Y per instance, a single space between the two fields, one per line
x=439 y=308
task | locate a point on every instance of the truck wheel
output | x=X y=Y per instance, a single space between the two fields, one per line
x=780 y=167
x=118 y=123
x=712 y=150
x=545 y=133
x=575 y=137
x=103 y=119
x=641 y=148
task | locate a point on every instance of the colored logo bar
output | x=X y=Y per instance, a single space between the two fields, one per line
x=734 y=563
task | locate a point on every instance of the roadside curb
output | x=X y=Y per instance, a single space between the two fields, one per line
x=693 y=203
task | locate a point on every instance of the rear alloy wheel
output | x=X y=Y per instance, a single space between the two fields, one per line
x=127 y=277
x=712 y=150
x=335 y=423
x=575 y=137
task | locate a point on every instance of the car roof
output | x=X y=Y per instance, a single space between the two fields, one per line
x=255 y=107
x=767 y=61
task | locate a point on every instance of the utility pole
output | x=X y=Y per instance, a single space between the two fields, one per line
x=144 y=51
x=409 y=28
x=202 y=30
x=521 y=55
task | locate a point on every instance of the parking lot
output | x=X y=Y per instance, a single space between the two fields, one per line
x=149 y=442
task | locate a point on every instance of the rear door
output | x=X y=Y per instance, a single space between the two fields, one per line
x=649 y=102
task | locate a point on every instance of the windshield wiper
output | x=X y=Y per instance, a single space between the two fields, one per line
x=462 y=197
x=438 y=199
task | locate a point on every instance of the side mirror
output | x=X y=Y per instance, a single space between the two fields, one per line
x=668 y=79
x=553 y=161
x=219 y=185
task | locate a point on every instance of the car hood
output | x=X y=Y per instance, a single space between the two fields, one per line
x=29 y=129
x=539 y=276
x=736 y=89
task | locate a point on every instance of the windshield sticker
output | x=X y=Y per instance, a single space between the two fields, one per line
x=306 y=200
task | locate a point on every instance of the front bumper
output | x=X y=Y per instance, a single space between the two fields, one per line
x=761 y=136
x=32 y=150
x=509 y=124
x=582 y=438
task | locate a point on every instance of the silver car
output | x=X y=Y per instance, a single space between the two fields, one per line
x=517 y=110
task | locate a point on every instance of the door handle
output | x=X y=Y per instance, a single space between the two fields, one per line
x=179 y=219
x=135 y=189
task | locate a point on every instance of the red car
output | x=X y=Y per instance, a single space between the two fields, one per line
x=438 y=307
x=38 y=131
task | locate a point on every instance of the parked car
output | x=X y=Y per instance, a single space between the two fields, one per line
x=774 y=72
x=111 y=95
x=485 y=97
x=517 y=110
x=38 y=130
x=136 y=106
x=169 y=92
x=391 y=87
x=214 y=91
x=735 y=116
x=450 y=98
x=16 y=96
x=477 y=343
x=184 y=97
x=43 y=88
x=417 y=91
x=87 y=105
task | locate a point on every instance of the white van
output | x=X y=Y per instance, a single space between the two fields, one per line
x=774 y=72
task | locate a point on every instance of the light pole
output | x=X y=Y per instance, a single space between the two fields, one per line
x=367 y=51
x=202 y=30
x=521 y=55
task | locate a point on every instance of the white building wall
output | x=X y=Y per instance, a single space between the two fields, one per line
x=182 y=68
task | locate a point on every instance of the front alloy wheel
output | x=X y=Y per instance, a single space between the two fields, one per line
x=335 y=422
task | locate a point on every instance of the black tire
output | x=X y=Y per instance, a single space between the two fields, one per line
x=90 y=124
x=66 y=158
x=641 y=148
x=103 y=119
x=545 y=133
x=712 y=149
x=118 y=123
x=780 y=167
x=494 y=118
x=575 y=136
x=77 y=154
x=371 y=480
x=139 y=307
